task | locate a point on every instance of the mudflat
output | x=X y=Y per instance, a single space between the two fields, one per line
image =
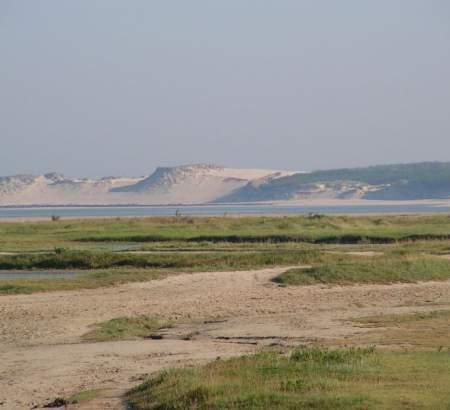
x=215 y=314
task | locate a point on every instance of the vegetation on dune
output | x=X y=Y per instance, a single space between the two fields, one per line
x=125 y=328
x=425 y=172
x=307 y=379
x=402 y=182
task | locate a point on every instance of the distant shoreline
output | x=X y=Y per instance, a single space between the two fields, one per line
x=286 y=203
x=286 y=208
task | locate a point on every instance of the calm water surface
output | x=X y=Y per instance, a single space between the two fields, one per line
x=212 y=210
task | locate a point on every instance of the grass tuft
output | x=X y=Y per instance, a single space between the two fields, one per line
x=353 y=379
x=125 y=328
x=327 y=357
x=83 y=396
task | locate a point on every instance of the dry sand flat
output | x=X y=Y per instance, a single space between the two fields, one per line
x=225 y=313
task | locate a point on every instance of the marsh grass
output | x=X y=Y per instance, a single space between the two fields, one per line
x=103 y=260
x=347 y=229
x=99 y=269
x=411 y=331
x=327 y=229
x=387 y=268
x=125 y=328
x=107 y=269
x=307 y=379
x=89 y=280
x=224 y=243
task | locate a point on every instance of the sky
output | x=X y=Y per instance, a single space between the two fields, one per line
x=109 y=87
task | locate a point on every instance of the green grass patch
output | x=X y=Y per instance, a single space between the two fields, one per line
x=307 y=379
x=29 y=236
x=103 y=260
x=388 y=268
x=89 y=280
x=411 y=331
x=15 y=289
x=215 y=244
x=125 y=328
x=106 y=269
x=83 y=396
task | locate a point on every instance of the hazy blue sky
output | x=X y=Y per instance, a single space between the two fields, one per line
x=105 y=87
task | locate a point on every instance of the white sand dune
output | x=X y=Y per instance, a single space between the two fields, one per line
x=189 y=184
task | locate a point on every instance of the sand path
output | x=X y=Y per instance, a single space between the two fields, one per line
x=222 y=313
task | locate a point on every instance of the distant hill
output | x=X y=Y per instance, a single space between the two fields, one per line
x=187 y=184
x=425 y=180
x=203 y=183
